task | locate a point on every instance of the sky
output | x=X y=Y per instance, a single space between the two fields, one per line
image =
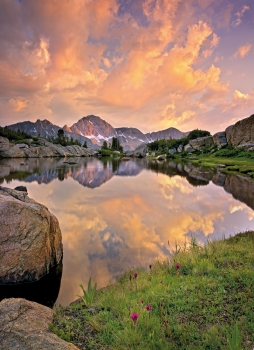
x=149 y=64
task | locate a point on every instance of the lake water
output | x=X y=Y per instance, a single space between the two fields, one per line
x=116 y=215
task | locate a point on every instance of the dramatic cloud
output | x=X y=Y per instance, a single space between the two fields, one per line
x=150 y=64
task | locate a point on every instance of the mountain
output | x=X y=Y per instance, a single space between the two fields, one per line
x=45 y=128
x=95 y=130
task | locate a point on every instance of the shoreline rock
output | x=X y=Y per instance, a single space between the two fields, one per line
x=45 y=149
x=25 y=325
x=30 y=238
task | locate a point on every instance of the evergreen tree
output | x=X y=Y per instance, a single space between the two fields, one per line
x=104 y=145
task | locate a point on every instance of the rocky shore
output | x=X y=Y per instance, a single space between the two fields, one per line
x=30 y=245
x=40 y=149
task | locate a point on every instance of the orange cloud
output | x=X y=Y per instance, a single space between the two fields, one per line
x=242 y=51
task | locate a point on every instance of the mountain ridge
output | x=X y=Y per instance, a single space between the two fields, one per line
x=95 y=130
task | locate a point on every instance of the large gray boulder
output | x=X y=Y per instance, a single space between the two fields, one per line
x=241 y=132
x=188 y=148
x=9 y=150
x=220 y=139
x=30 y=238
x=25 y=326
x=201 y=142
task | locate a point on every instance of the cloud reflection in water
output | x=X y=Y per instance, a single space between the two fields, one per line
x=110 y=226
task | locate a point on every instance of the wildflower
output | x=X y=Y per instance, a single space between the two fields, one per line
x=135 y=274
x=148 y=307
x=142 y=301
x=161 y=282
x=161 y=304
x=177 y=266
x=165 y=312
x=130 y=277
x=134 y=317
x=150 y=266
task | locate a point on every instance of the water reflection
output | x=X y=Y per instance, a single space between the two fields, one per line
x=45 y=291
x=125 y=213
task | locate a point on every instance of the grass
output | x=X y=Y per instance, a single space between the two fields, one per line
x=233 y=165
x=200 y=297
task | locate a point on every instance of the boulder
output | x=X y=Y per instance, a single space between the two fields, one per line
x=201 y=142
x=172 y=151
x=248 y=146
x=22 y=145
x=228 y=133
x=188 y=148
x=9 y=150
x=21 y=188
x=24 y=326
x=180 y=149
x=241 y=132
x=30 y=238
x=161 y=157
x=220 y=139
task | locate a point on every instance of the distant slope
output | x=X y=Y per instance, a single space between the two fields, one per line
x=45 y=128
x=95 y=130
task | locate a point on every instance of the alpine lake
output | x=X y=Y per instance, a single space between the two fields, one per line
x=116 y=215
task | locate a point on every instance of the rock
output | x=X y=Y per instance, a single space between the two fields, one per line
x=180 y=149
x=220 y=139
x=201 y=142
x=9 y=150
x=30 y=238
x=21 y=145
x=161 y=157
x=241 y=132
x=188 y=148
x=192 y=158
x=228 y=133
x=172 y=151
x=248 y=146
x=153 y=154
x=24 y=326
x=125 y=158
x=116 y=152
x=221 y=166
x=21 y=188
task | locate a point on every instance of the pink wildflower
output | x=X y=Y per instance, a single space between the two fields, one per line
x=134 y=317
x=177 y=266
x=148 y=307
x=135 y=274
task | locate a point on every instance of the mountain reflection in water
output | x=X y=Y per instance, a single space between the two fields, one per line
x=115 y=215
